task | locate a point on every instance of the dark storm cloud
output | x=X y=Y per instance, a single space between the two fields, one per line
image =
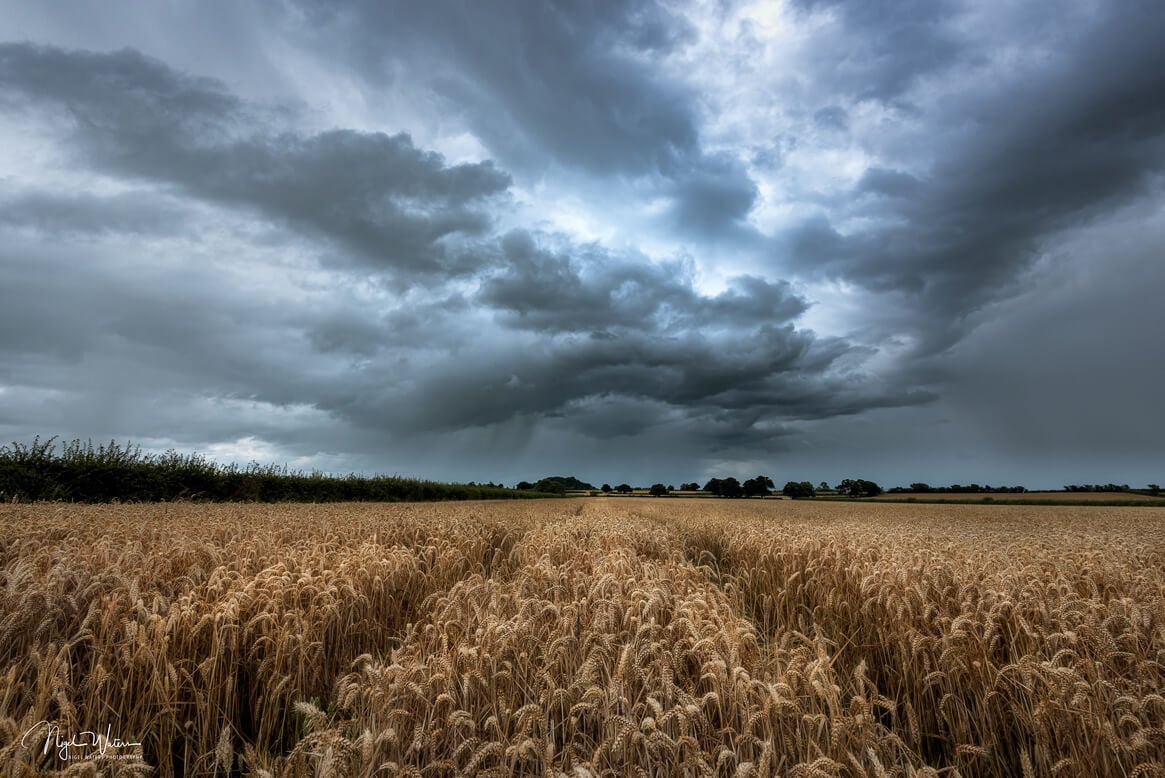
x=1077 y=140
x=379 y=197
x=97 y=342
x=122 y=90
x=750 y=379
x=1062 y=382
x=572 y=85
x=598 y=333
x=588 y=289
x=884 y=47
x=350 y=333
x=356 y=330
x=181 y=262
x=80 y=308
x=725 y=370
x=84 y=213
x=597 y=329
x=713 y=197
x=565 y=81
x=887 y=183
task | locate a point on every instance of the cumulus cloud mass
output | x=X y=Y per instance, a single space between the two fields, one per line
x=633 y=242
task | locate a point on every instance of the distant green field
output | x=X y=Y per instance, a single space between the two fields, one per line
x=1112 y=499
x=1100 y=499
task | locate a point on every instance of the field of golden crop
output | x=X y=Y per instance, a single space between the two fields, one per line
x=583 y=637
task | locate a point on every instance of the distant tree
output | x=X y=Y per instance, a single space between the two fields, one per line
x=550 y=486
x=798 y=490
x=690 y=487
x=524 y=486
x=1154 y=489
x=624 y=489
x=858 y=487
x=823 y=486
x=606 y=488
x=730 y=487
x=761 y=486
x=1096 y=488
x=570 y=483
x=658 y=490
x=670 y=488
x=713 y=486
x=920 y=487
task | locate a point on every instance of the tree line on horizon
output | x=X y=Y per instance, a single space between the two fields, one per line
x=730 y=487
x=762 y=486
x=924 y=488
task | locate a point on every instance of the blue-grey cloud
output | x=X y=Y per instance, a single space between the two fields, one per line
x=588 y=289
x=571 y=85
x=383 y=201
x=888 y=46
x=1079 y=139
x=868 y=239
x=81 y=213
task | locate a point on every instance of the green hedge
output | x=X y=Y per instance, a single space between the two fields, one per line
x=82 y=472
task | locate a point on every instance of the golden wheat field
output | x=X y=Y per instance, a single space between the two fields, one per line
x=588 y=637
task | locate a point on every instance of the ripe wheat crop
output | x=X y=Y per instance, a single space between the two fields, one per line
x=583 y=638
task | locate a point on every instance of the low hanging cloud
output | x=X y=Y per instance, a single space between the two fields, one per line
x=588 y=289
x=1076 y=140
x=389 y=205
x=591 y=330
x=754 y=380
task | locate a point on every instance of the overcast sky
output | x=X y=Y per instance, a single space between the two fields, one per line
x=817 y=239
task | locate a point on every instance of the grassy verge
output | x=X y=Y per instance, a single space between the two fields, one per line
x=81 y=472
